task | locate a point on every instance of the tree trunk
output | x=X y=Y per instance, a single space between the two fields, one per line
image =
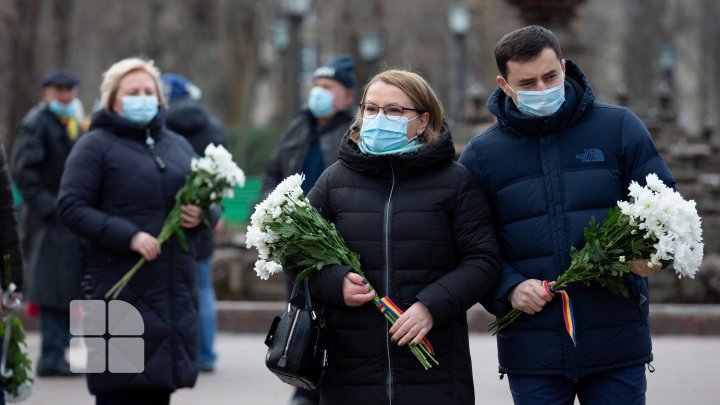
x=24 y=86
x=62 y=12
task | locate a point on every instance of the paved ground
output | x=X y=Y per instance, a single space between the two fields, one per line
x=686 y=373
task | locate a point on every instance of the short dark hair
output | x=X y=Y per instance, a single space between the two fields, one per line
x=524 y=44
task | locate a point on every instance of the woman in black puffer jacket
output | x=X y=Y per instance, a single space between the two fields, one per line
x=118 y=187
x=423 y=231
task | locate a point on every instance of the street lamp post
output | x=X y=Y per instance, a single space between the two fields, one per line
x=371 y=46
x=459 y=23
x=281 y=42
x=667 y=61
x=296 y=11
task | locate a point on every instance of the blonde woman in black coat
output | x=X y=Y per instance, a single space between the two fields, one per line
x=423 y=231
x=118 y=187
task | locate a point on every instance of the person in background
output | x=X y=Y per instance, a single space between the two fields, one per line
x=9 y=243
x=52 y=252
x=424 y=235
x=555 y=159
x=310 y=143
x=187 y=116
x=118 y=188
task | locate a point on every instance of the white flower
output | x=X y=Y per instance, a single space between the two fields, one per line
x=219 y=162
x=203 y=164
x=261 y=270
x=277 y=208
x=621 y=259
x=266 y=268
x=654 y=183
x=671 y=222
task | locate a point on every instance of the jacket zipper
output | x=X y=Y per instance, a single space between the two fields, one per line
x=386 y=235
x=150 y=142
x=283 y=359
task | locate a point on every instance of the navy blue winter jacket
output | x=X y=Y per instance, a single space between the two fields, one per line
x=112 y=188
x=544 y=179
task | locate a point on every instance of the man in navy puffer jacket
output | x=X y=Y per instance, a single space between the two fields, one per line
x=555 y=159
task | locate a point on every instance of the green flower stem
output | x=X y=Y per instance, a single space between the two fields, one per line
x=171 y=225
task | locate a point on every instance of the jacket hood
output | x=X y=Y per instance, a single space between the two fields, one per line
x=110 y=121
x=579 y=95
x=440 y=152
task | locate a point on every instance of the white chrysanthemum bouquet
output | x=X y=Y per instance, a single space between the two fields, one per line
x=656 y=225
x=212 y=177
x=288 y=231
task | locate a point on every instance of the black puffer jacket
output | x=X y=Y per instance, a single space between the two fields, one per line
x=113 y=188
x=423 y=231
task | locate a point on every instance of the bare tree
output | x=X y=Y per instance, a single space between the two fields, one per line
x=23 y=87
x=62 y=13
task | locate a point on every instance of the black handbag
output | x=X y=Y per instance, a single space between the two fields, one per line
x=296 y=350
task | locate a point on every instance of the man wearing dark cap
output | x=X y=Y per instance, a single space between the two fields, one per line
x=311 y=142
x=51 y=252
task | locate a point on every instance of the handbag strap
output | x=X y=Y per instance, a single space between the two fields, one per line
x=308 y=302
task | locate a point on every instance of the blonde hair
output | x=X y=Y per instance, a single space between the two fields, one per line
x=113 y=76
x=420 y=93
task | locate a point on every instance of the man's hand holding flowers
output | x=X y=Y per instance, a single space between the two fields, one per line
x=639 y=267
x=529 y=296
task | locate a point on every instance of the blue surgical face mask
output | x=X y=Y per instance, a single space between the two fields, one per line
x=320 y=102
x=62 y=110
x=540 y=103
x=383 y=136
x=140 y=109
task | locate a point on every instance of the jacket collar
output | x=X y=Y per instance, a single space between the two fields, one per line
x=442 y=151
x=579 y=95
x=114 y=123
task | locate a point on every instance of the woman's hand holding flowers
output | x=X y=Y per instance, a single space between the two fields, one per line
x=145 y=244
x=356 y=290
x=190 y=216
x=413 y=325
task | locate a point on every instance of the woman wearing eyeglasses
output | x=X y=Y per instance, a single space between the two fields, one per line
x=424 y=234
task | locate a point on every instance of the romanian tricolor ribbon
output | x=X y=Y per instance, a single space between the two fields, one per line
x=387 y=305
x=568 y=315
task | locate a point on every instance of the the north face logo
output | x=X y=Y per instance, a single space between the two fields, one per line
x=593 y=155
x=124 y=351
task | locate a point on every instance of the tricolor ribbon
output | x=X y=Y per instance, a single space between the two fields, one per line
x=386 y=305
x=568 y=315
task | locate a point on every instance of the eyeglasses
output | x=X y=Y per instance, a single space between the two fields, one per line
x=392 y=112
